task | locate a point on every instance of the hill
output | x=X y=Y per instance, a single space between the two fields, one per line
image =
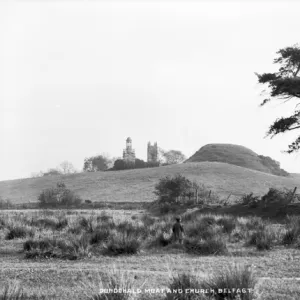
x=138 y=185
x=239 y=156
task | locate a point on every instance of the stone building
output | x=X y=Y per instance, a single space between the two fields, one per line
x=152 y=153
x=128 y=152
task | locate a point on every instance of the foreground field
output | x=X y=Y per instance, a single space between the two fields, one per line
x=276 y=268
x=137 y=185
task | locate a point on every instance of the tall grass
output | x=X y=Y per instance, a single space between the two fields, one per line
x=232 y=278
x=113 y=280
x=229 y=283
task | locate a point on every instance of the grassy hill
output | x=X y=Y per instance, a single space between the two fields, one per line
x=137 y=185
x=239 y=156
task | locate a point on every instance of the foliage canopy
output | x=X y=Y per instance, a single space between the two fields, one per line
x=284 y=85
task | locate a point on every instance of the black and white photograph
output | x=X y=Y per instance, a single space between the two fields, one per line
x=149 y=150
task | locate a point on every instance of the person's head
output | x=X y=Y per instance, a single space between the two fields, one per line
x=178 y=219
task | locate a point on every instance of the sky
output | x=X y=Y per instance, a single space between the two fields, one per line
x=78 y=77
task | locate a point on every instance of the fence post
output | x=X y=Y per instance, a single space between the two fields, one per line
x=293 y=194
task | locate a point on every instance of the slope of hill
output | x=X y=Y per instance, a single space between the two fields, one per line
x=239 y=156
x=138 y=185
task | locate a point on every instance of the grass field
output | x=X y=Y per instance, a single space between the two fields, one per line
x=277 y=270
x=137 y=185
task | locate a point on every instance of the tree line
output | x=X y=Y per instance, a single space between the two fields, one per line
x=103 y=162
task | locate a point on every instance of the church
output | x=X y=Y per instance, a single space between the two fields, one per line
x=129 y=153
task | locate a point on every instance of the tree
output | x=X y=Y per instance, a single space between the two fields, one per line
x=67 y=168
x=139 y=164
x=96 y=163
x=169 y=188
x=59 y=196
x=284 y=85
x=173 y=157
x=119 y=164
x=37 y=174
x=52 y=172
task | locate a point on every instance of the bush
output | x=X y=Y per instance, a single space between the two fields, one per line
x=54 y=248
x=214 y=246
x=13 y=291
x=200 y=230
x=235 y=277
x=170 y=188
x=5 y=204
x=168 y=208
x=293 y=233
x=263 y=239
x=18 y=232
x=114 y=280
x=122 y=245
x=229 y=224
x=99 y=236
x=148 y=220
x=103 y=217
x=283 y=196
x=50 y=223
x=59 y=196
x=162 y=240
x=250 y=200
x=185 y=282
x=88 y=224
x=272 y=165
x=254 y=223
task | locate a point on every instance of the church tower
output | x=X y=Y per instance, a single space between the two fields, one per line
x=128 y=152
x=152 y=153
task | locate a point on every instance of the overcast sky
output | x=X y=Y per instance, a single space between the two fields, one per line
x=78 y=77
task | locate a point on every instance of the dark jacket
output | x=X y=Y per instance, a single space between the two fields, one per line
x=178 y=229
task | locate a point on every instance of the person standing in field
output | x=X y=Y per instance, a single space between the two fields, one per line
x=178 y=231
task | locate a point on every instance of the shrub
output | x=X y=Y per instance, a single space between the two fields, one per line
x=51 y=248
x=250 y=200
x=214 y=246
x=18 y=232
x=122 y=245
x=234 y=277
x=170 y=188
x=50 y=223
x=162 y=240
x=254 y=223
x=12 y=292
x=61 y=224
x=128 y=229
x=59 y=196
x=283 y=196
x=88 y=224
x=99 y=236
x=185 y=282
x=206 y=227
x=293 y=233
x=80 y=247
x=229 y=224
x=103 y=217
x=114 y=280
x=2 y=223
x=263 y=239
x=148 y=220
x=200 y=230
x=168 y=208
x=273 y=166
x=5 y=204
